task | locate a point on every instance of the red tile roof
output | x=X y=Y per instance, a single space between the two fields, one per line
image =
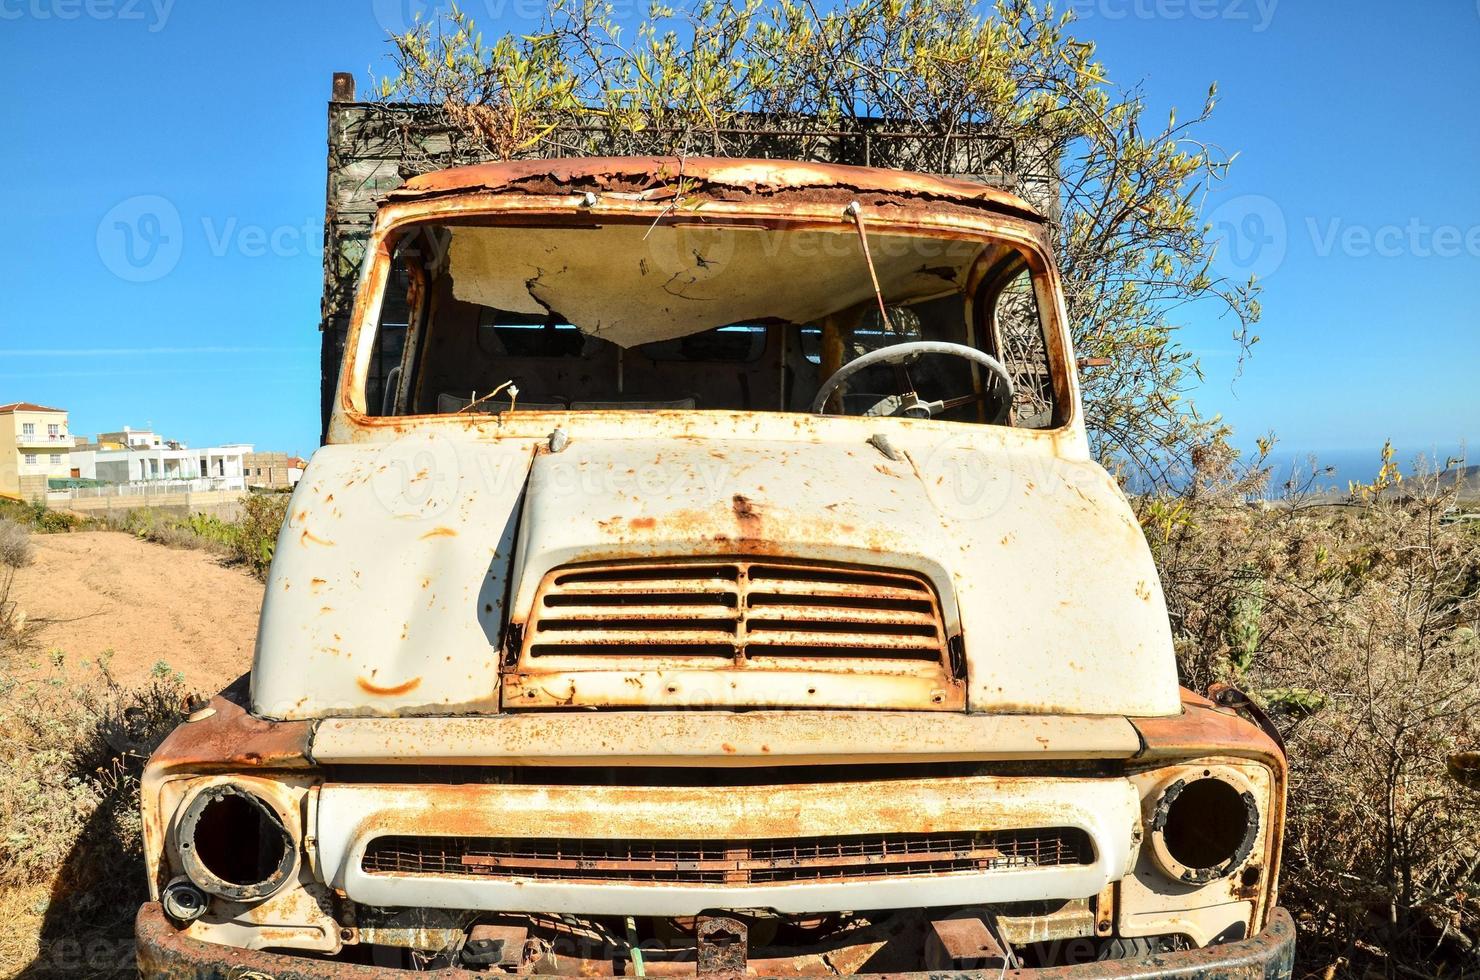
x=28 y=407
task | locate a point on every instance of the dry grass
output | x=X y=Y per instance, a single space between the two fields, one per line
x=71 y=870
x=17 y=632
x=71 y=867
x=247 y=541
x=1355 y=626
x=22 y=912
x=15 y=544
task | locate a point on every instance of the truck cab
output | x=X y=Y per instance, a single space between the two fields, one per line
x=707 y=573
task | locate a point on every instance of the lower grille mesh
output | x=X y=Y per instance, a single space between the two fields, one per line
x=730 y=862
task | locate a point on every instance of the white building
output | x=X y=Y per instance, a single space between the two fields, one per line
x=131 y=437
x=135 y=457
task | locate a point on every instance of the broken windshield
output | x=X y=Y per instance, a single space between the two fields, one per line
x=691 y=315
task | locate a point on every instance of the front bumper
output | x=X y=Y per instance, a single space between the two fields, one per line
x=166 y=952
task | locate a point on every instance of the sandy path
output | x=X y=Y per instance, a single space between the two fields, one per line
x=145 y=602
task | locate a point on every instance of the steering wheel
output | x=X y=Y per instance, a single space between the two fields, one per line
x=910 y=404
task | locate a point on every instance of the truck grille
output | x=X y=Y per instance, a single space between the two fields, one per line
x=804 y=859
x=738 y=610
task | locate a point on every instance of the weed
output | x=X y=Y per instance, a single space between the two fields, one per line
x=15 y=544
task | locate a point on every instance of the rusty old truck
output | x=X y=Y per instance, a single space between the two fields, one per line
x=707 y=573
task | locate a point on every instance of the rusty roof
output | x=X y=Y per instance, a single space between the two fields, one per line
x=28 y=407
x=733 y=174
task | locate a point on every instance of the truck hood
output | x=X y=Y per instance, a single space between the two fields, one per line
x=401 y=564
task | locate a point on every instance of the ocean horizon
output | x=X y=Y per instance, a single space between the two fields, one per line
x=1335 y=469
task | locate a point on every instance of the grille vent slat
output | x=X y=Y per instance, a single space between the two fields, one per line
x=860 y=856
x=765 y=609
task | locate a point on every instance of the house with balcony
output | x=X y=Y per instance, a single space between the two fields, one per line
x=142 y=459
x=35 y=446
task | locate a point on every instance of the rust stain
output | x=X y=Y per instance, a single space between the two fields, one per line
x=439 y=532
x=308 y=537
x=643 y=523
x=403 y=688
x=744 y=508
x=231 y=739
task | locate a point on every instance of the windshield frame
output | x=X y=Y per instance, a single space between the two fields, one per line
x=351 y=422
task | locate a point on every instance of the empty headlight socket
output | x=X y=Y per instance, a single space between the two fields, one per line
x=235 y=845
x=1204 y=825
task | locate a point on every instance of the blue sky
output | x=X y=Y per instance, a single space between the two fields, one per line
x=1355 y=191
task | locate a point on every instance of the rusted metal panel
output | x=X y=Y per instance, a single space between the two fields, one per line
x=660 y=178
x=856 y=857
x=1060 y=920
x=165 y=953
x=387 y=589
x=414 y=601
x=962 y=941
x=723 y=739
x=1204 y=730
x=724 y=946
x=839 y=501
x=225 y=736
x=351 y=816
x=741 y=632
x=221 y=737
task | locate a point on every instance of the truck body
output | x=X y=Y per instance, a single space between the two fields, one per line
x=707 y=573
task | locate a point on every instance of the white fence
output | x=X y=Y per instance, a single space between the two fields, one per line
x=149 y=488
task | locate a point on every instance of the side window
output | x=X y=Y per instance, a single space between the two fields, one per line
x=390 y=338
x=403 y=300
x=1016 y=326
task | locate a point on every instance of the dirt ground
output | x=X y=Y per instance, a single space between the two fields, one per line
x=145 y=602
